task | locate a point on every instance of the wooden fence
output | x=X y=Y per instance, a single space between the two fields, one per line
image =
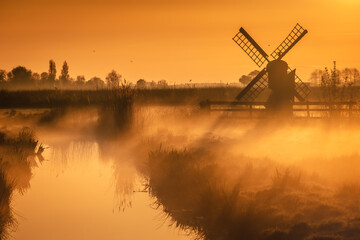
x=300 y=109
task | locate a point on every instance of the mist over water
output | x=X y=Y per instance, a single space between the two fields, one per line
x=205 y=175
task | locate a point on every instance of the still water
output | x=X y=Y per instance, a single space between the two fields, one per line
x=73 y=196
x=180 y=174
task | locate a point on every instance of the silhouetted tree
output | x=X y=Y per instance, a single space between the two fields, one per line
x=333 y=89
x=345 y=76
x=246 y=79
x=113 y=79
x=2 y=76
x=64 y=77
x=80 y=81
x=153 y=84
x=44 y=78
x=36 y=78
x=141 y=83
x=162 y=84
x=96 y=83
x=21 y=77
x=351 y=75
x=316 y=77
x=52 y=72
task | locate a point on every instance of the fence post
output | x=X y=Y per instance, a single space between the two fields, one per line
x=308 y=110
x=205 y=105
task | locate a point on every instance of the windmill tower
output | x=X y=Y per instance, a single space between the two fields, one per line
x=285 y=85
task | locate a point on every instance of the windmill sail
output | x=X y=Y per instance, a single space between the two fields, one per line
x=258 y=55
x=295 y=35
x=301 y=89
x=254 y=88
x=251 y=48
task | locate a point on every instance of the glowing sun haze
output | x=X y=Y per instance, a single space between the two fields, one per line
x=173 y=40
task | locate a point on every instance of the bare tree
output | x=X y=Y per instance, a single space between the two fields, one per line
x=351 y=75
x=113 y=79
x=162 y=84
x=80 y=81
x=333 y=88
x=316 y=76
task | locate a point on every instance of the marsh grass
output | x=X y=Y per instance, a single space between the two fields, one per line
x=201 y=193
x=349 y=190
x=286 y=179
x=335 y=90
x=116 y=112
x=15 y=153
x=52 y=115
x=79 y=98
x=15 y=172
x=195 y=194
x=7 y=219
x=349 y=195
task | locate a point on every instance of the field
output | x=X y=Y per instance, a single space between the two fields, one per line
x=166 y=96
x=207 y=175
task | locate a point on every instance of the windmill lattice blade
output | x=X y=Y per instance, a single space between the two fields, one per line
x=251 y=48
x=254 y=88
x=295 y=35
x=301 y=89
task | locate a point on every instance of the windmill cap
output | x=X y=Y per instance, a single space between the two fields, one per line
x=278 y=63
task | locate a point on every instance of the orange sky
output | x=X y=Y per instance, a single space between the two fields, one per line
x=173 y=40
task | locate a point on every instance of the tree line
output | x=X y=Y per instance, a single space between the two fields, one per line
x=347 y=76
x=22 y=78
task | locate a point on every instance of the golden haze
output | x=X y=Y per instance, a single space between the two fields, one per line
x=173 y=40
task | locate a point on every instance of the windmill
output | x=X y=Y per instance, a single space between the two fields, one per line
x=276 y=73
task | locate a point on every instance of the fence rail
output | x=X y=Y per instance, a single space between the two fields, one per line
x=302 y=107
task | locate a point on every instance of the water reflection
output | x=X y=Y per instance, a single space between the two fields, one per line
x=17 y=158
x=82 y=198
x=113 y=153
